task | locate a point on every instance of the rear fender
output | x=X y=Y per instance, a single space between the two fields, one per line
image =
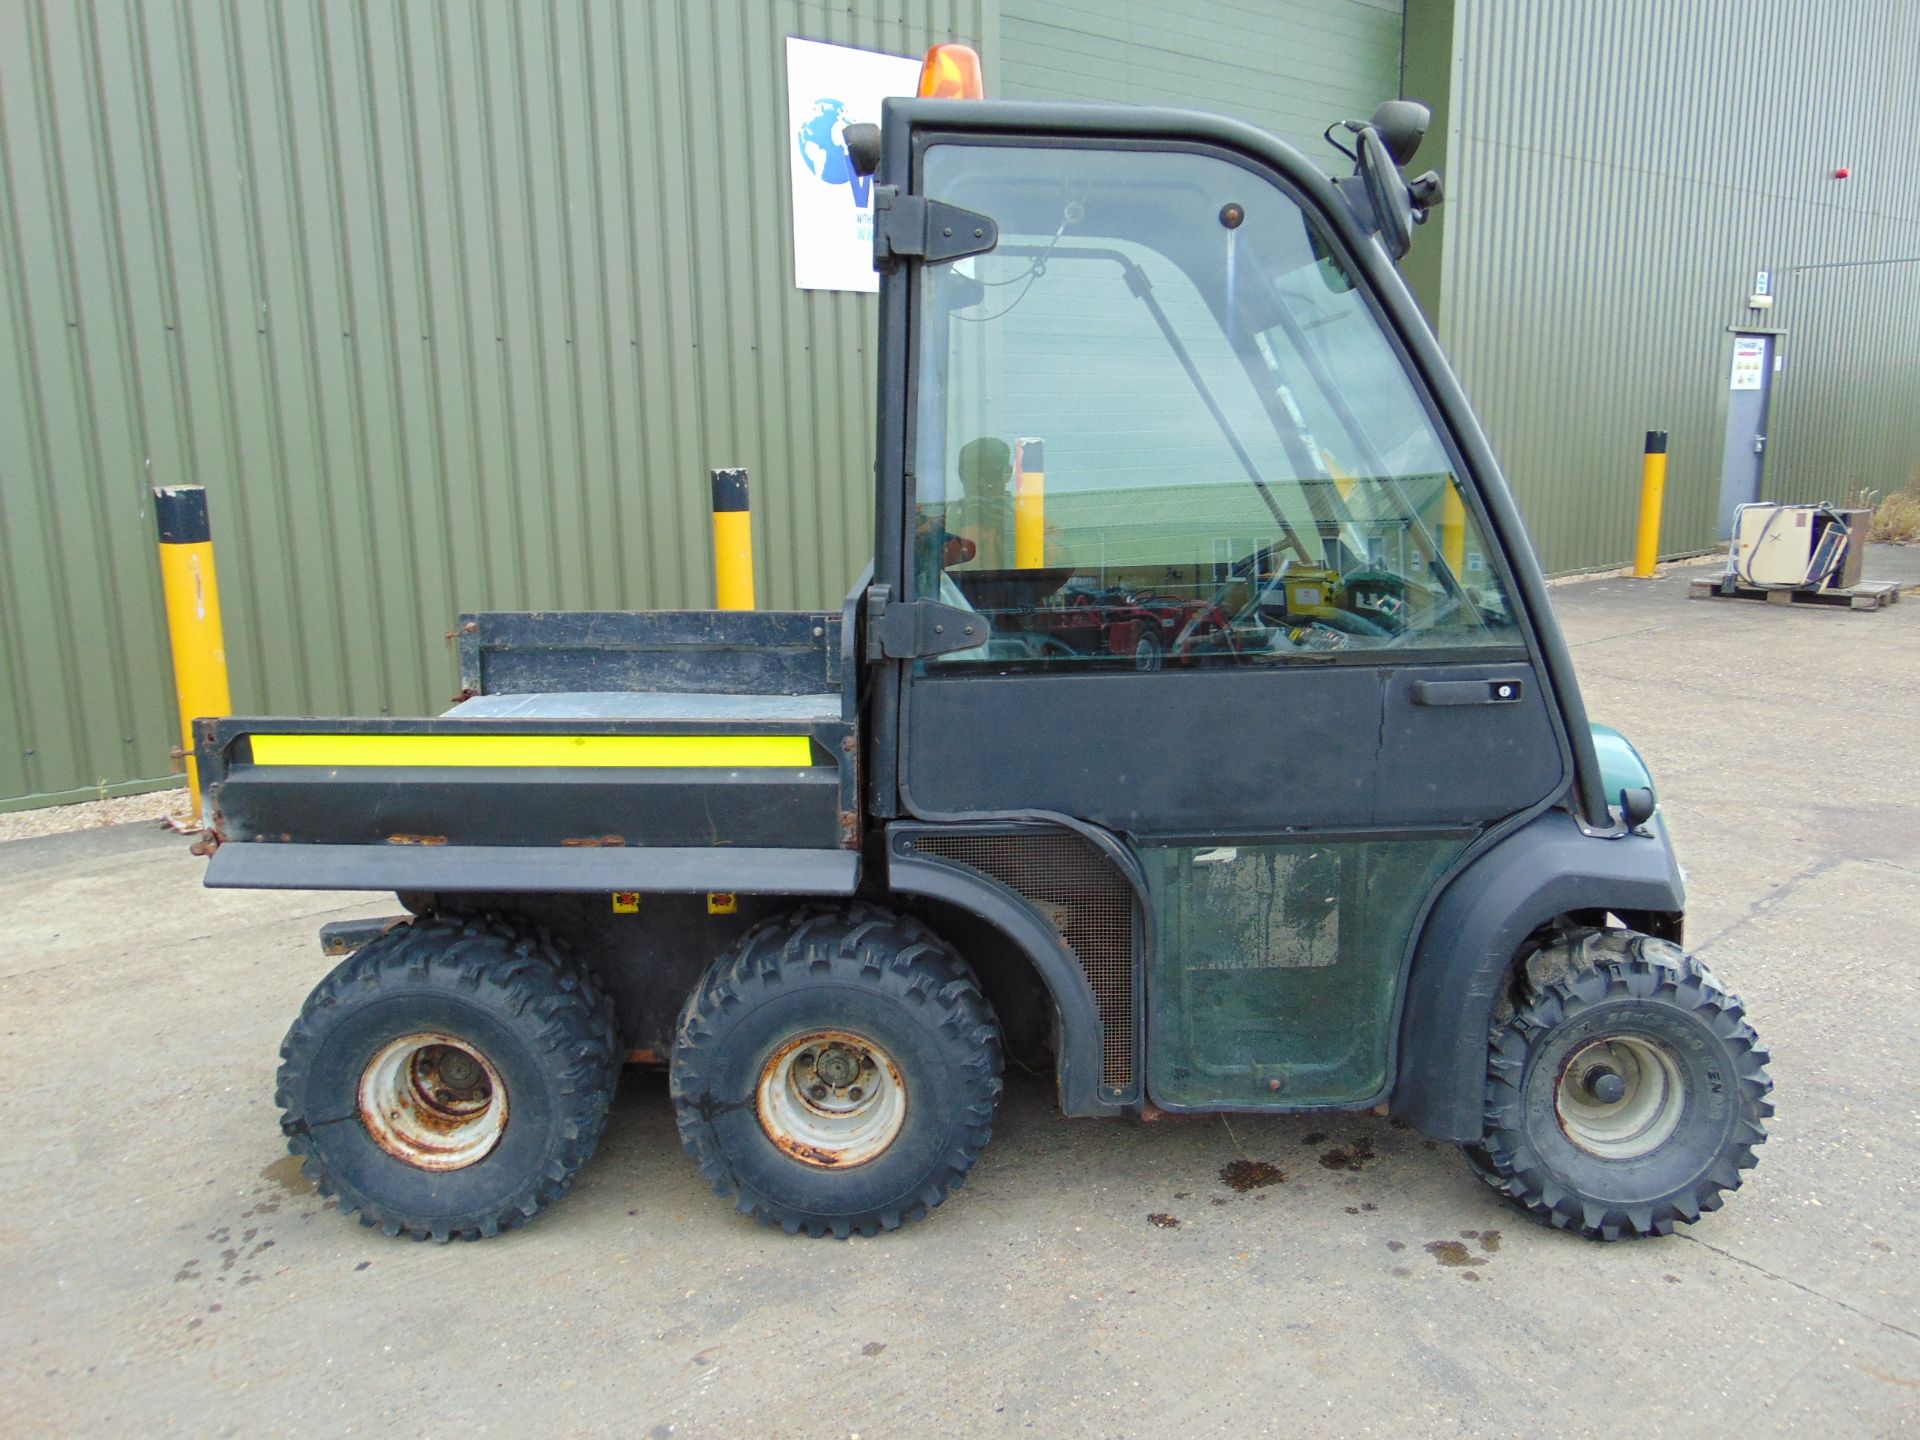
x=1021 y=926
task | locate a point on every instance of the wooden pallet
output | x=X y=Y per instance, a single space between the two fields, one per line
x=1876 y=596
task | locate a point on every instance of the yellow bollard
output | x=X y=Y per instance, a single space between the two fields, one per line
x=1453 y=530
x=193 y=615
x=1653 y=495
x=732 y=541
x=1029 y=505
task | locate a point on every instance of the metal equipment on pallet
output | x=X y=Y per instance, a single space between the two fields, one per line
x=1797 y=554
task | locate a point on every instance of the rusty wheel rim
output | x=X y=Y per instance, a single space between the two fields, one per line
x=433 y=1101
x=831 y=1099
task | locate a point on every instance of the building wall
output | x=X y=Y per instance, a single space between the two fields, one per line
x=1292 y=67
x=1618 y=174
x=452 y=306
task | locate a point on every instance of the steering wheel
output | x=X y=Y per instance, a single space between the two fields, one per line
x=1382 y=597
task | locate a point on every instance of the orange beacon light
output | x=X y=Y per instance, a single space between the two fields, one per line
x=952 y=72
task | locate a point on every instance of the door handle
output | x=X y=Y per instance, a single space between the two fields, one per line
x=1468 y=692
x=1759 y=444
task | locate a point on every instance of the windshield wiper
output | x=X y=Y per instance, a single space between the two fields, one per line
x=1369 y=455
x=1141 y=285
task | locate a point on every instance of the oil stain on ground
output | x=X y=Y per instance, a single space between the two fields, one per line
x=1354 y=1155
x=1245 y=1175
x=1452 y=1253
x=285 y=1172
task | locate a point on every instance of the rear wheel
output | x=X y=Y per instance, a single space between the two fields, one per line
x=837 y=1073
x=1625 y=1090
x=449 y=1078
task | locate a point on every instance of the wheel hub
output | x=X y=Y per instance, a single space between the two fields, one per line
x=831 y=1099
x=1620 y=1098
x=1605 y=1085
x=433 y=1101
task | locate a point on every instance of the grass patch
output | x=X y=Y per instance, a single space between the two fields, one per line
x=1896 y=516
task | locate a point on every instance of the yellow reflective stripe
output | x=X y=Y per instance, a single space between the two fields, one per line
x=689 y=751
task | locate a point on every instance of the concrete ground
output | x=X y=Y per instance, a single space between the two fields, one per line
x=164 y=1267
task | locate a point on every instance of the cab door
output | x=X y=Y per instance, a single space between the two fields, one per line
x=1239 y=609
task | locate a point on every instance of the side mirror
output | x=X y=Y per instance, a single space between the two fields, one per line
x=1387 y=193
x=1402 y=125
x=1378 y=192
x=863 y=146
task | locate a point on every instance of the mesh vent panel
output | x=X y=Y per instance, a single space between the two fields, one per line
x=1081 y=894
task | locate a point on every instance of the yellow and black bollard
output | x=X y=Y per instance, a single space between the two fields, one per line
x=193 y=615
x=1653 y=495
x=1029 y=505
x=732 y=541
x=1453 y=530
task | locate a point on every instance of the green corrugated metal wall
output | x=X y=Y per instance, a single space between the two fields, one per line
x=452 y=306
x=1291 y=68
x=1618 y=173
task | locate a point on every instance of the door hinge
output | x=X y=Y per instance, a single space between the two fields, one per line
x=914 y=227
x=897 y=631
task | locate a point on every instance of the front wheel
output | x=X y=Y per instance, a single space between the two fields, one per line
x=1625 y=1090
x=1149 y=651
x=837 y=1073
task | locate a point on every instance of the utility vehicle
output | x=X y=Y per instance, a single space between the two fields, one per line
x=1360 y=848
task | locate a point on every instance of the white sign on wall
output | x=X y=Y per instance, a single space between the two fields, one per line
x=1749 y=361
x=828 y=88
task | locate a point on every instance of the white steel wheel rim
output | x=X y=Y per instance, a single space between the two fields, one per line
x=433 y=1101
x=831 y=1099
x=1645 y=1115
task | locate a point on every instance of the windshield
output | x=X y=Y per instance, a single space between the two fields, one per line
x=1158 y=424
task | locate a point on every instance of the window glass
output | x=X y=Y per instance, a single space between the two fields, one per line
x=1158 y=427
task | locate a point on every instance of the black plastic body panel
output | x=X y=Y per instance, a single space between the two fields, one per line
x=1546 y=869
x=1013 y=918
x=459 y=806
x=540 y=869
x=533 y=806
x=1230 y=752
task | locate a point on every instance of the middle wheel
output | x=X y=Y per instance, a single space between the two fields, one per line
x=837 y=1072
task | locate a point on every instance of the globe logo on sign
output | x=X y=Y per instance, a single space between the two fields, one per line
x=823 y=149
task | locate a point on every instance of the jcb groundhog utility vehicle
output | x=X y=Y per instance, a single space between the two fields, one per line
x=1345 y=840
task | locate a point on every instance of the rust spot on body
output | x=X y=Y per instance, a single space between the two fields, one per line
x=595 y=842
x=408 y=839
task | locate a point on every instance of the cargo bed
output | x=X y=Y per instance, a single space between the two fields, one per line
x=616 y=750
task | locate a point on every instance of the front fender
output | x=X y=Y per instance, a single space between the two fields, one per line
x=1548 y=867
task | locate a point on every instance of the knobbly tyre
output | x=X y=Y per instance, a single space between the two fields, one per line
x=1357 y=845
